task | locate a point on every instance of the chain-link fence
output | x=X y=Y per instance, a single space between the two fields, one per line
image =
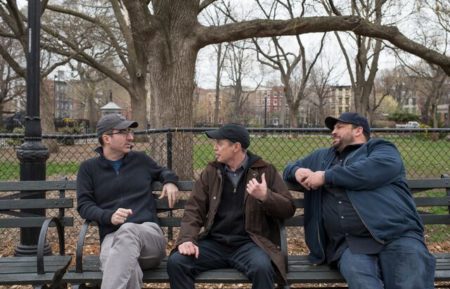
x=426 y=152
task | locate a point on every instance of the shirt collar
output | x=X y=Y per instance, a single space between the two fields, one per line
x=241 y=167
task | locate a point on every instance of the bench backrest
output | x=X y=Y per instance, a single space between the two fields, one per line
x=18 y=202
x=23 y=203
x=440 y=198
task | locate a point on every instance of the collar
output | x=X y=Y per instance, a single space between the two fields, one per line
x=241 y=167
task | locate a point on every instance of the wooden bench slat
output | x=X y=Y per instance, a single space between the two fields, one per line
x=432 y=201
x=29 y=222
x=37 y=186
x=428 y=183
x=435 y=219
x=35 y=204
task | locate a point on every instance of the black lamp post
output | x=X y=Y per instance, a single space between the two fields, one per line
x=32 y=153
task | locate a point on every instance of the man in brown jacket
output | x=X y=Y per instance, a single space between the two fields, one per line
x=237 y=201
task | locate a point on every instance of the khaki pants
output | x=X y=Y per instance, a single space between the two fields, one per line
x=127 y=251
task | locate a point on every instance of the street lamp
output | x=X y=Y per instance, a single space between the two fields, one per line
x=32 y=153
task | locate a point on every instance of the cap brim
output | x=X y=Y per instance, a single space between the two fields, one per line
x=214 y=134
x=330 y=122
x=126 y=124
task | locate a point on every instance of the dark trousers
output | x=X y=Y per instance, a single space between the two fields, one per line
x=248 y=259
x=402 y=264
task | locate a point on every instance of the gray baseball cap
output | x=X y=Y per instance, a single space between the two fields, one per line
x=114 y=121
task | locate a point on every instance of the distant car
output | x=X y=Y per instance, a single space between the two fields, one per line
x=409 y=124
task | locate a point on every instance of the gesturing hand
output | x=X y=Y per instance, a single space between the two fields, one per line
x=120 y=216
x=256 y=189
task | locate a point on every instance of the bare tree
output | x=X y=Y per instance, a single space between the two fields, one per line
x=320 y=89
x=272 y=53
x=239 y=64
x=365 y=64
x=163 y=38
x=215 y=17
x=12 y=86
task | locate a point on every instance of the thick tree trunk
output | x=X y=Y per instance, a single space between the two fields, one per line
x=172 y=71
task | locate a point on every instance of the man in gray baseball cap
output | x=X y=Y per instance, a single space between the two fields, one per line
x=114 y=190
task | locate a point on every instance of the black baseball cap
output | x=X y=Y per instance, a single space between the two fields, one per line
x=114 y=121
x=232 y=132
x=349 y=117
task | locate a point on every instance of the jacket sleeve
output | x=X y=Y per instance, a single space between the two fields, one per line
x=195 y=211
x=161 y=174
x=279 y=202
x=312 y=161
x=86 y=203
x=382 y=166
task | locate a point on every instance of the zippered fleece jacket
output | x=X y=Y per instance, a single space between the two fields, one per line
x=373 y=176
x=101 y=191
x=261 y=218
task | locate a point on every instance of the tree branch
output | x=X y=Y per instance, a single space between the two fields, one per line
x=268 y=28
x=204 y=4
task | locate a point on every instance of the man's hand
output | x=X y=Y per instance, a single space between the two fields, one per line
x=258 y=190
x=171 y=191
x=301 y=174
x=315 y=180
x=120 y=216
x=188 y=248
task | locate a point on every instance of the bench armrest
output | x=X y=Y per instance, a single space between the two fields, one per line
x=80 y=246
x=42 y=239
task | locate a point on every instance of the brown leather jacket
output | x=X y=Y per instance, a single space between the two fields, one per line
x=260 y=217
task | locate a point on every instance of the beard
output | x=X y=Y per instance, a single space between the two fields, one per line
x=340 y=143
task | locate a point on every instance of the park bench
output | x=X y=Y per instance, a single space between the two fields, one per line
x=299 y=269
x=23 y=206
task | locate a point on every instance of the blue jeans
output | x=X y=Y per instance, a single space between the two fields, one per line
x=402 y=264
x=248 y=259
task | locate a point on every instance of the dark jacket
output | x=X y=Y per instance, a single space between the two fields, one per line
x=261 y=218
x=374 y=178
x=101 y=191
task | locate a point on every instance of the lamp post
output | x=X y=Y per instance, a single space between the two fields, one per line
x=32 y=153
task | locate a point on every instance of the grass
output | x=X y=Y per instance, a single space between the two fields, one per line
x=11 y=170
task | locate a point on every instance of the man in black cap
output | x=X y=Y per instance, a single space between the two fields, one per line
x=115 y=190
x=237 y=201
x=359 y=213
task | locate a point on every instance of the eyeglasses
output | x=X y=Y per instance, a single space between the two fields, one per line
x=126 y=131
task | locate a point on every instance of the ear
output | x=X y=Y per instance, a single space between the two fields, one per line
x=237 y=146
x=106 y=138
x=359 y=131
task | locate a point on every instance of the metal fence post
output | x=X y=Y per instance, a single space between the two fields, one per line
x=32 y=153
x=169 y=145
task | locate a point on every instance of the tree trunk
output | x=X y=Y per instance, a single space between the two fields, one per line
x=172 y=71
